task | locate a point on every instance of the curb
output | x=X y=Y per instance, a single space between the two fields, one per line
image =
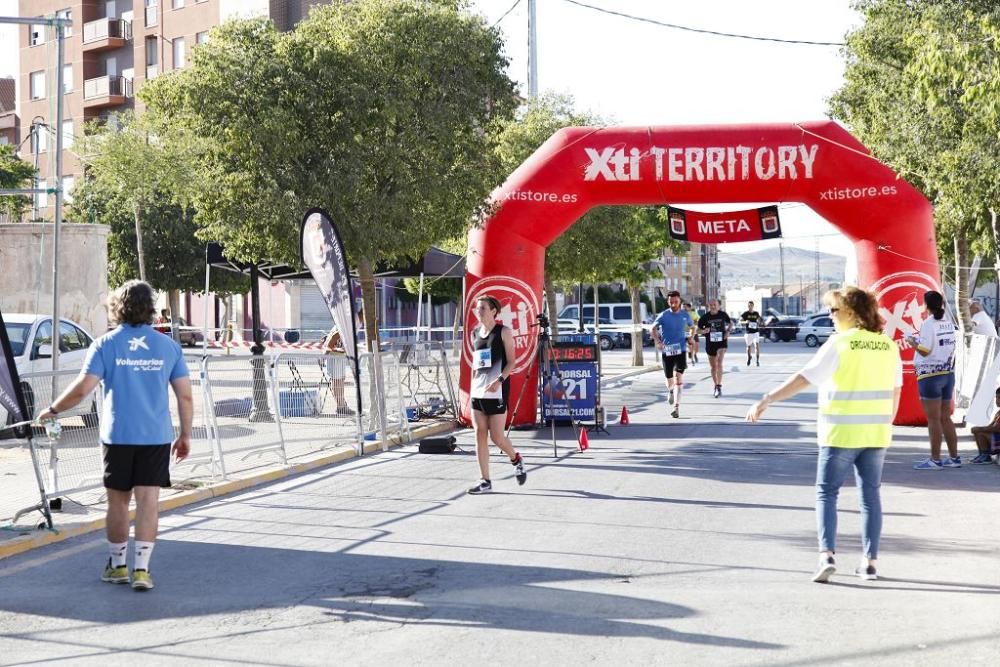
x=35 y=540
x=632 y=373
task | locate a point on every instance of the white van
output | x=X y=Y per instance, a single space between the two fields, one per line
x=619 y=313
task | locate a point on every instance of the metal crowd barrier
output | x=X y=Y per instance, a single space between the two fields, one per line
x=427 y=379
x=73 y=463
x=250 y=411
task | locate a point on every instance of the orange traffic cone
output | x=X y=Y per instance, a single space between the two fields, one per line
x=623 y=420
x=584 y=440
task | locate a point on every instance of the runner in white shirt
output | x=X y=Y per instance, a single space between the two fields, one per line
x=981 y=322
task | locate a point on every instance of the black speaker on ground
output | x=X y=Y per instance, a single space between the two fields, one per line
x=445 y=445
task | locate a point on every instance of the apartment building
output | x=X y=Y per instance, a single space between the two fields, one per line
x=695 y=274
x=112 y=49
x=9 y=121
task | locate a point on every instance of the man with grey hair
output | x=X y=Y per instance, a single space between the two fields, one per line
x=135 y=364
x=981 y=322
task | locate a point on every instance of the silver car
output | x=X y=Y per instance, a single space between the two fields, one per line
x=815 y=330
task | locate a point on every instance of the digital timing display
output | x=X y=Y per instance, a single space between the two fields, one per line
x=573 y=352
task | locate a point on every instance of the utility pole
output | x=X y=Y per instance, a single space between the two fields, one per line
x=818 y=297
x=532 y=50
x=781 y=265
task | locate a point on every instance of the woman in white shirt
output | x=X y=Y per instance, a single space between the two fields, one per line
x=934 y=363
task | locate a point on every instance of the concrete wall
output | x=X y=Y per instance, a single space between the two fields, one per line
x=26 y=271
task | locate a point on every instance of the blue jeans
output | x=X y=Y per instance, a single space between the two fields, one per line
x=831 y=470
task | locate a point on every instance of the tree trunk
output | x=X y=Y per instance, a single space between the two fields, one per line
x=137 y=213
x=962 y=281
x=996 y=259
x=369 y=303
x=550 y=300
x=174 y=303
x=633 y=292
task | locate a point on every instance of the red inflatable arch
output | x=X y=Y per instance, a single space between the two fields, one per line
x=818 y=164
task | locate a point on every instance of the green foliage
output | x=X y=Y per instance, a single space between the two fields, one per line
x=128 y=169
x=14 y=173
x=380 y=111
x=921 y=92
x=442 y=290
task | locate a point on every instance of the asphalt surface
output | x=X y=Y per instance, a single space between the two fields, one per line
x=670 y=541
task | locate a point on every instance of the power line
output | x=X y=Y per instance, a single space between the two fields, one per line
x=504 y=15
x=716 y=33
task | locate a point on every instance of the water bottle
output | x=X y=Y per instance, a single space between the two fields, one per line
x=53 y=429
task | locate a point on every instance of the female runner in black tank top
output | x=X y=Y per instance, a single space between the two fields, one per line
x=493 y=362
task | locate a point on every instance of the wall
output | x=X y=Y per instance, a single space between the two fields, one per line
x=26 y=271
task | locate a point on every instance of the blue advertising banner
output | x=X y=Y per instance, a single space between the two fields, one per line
x=575 y=396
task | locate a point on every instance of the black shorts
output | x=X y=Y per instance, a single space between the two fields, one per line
x=674 y=362
x=128 y=466
x=712 y=348
x=494 y=406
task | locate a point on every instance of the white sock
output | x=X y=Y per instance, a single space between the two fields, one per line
x=143 y=550
x=119 y=553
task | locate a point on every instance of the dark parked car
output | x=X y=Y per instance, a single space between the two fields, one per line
x=783 y=328
x=187 y=336
x=609 y=340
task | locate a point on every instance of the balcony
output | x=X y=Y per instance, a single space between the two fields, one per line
x=106 y=91
x=106 y=34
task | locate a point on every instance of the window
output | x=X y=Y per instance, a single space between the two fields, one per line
x=71 y=338
x=622 y=313
x=177 y=4
x=43 y=336
x=67 y=78
x=67 y=134
x=66 y=14
x=152 y=58
x=39 y=139
x=201 y=37
x=69 y=182
x=37 y=84
x=179 y=55
x=36 y=34
x=42 y=198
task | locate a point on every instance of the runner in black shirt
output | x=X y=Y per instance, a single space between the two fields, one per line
x=751 y=328
x=716 y=325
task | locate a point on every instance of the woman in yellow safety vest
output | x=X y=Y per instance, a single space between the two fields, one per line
x=858 y=373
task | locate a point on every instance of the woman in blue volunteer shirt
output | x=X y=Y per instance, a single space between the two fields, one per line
x=134 y=364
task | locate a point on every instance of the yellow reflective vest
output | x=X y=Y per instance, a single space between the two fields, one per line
x=855 y=405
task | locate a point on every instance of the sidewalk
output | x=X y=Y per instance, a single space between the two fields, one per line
x=687 y=541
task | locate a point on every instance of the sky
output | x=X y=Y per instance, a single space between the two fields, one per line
x=633 y=72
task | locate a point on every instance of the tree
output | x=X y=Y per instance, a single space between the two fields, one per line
x=380 y=111
x=15 y=173
x=917 y=93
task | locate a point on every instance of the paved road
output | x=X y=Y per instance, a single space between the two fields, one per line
x=685 y=541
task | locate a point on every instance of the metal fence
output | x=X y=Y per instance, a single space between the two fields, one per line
x=249 y=411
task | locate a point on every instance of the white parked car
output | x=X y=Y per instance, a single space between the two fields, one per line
x=31 y=343
x=815 y=330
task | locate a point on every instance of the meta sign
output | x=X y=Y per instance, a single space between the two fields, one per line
x=570 y=393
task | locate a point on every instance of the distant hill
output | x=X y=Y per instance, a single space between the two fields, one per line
x=761 y=267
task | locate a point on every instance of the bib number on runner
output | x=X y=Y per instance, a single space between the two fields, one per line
x=484 y=358
x=751 y=326
x=672 y=349
x=715 y=336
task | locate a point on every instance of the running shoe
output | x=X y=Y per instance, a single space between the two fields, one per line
x=484 y=486
x=519 y=473
x=825 y=570
x=928 y=464
x=676 y=413
x=758 y=363
x=141 y=580
x=950 y=462
x=866 y=572
x=982 y=459
x=115 y=575
x=748 y=361
x=718 y=391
